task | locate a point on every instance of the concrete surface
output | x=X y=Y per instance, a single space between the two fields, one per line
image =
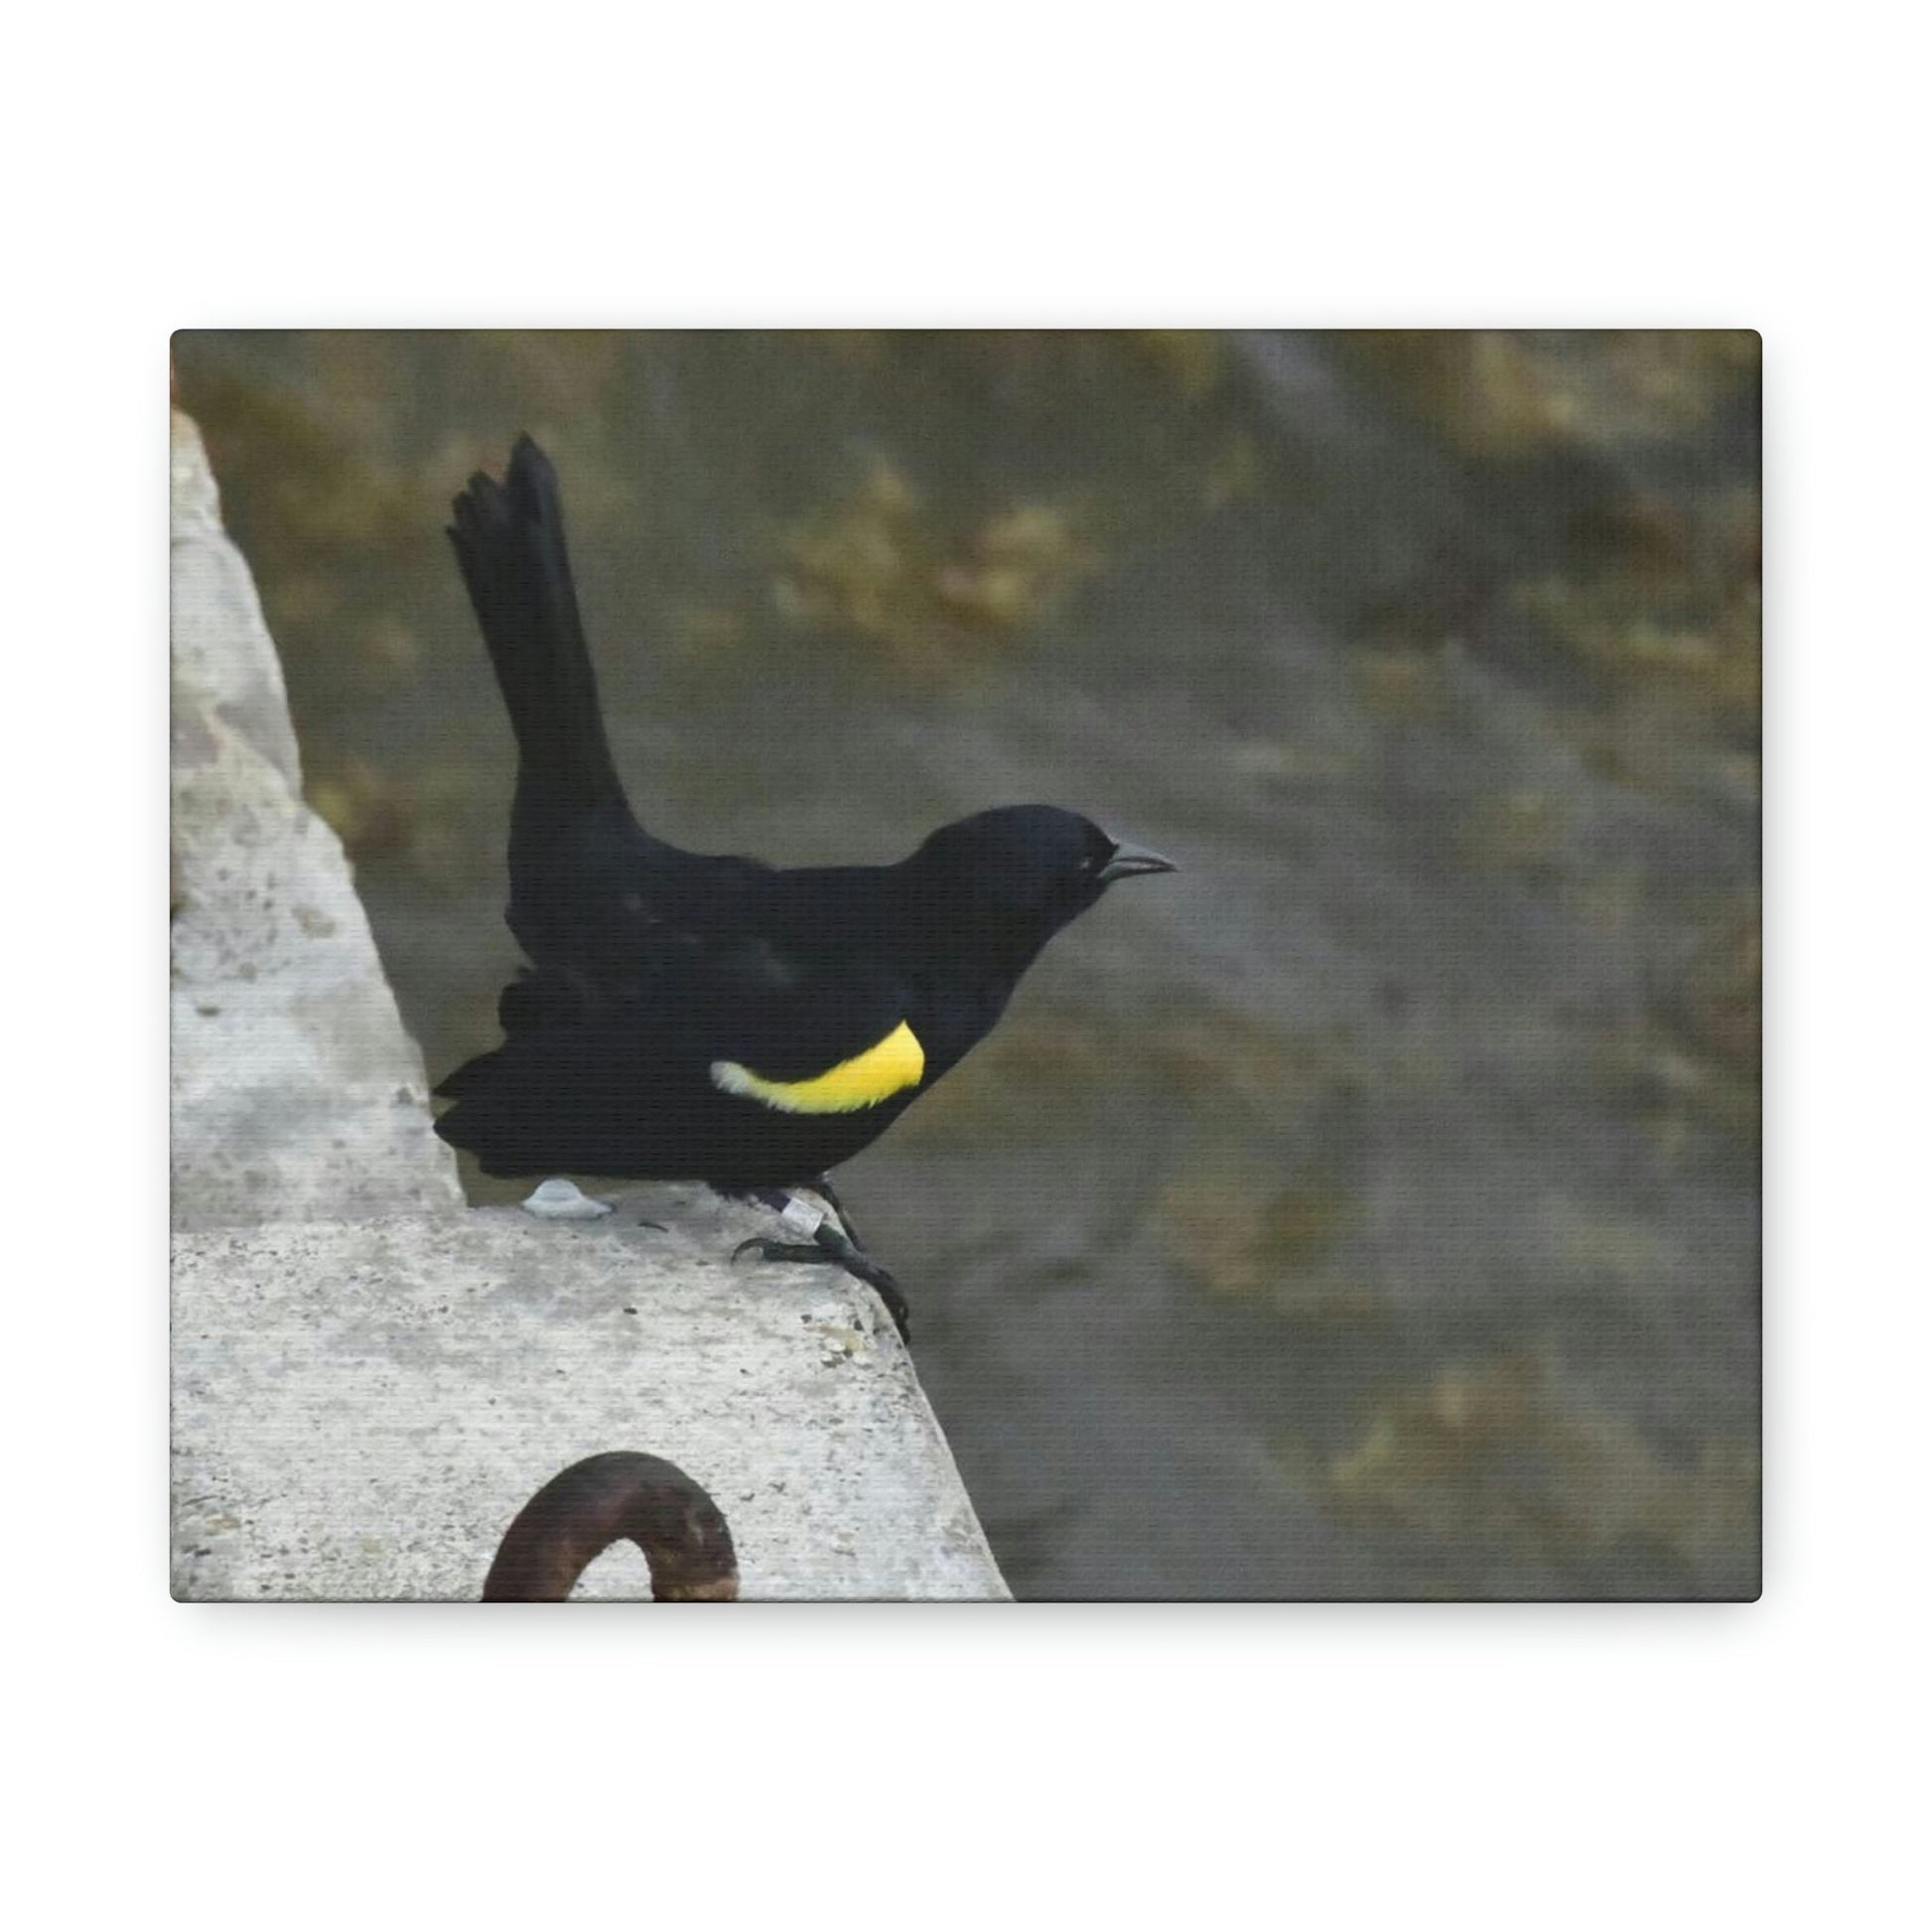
x=368 y=1378
x=222 y=659
x=360 y=1408
x=295 y=1093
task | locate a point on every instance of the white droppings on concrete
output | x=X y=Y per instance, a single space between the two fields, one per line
x=558 y=1199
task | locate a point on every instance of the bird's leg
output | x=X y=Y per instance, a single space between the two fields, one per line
x=826 y=1193
x=858 y=1259
x=833 y=1240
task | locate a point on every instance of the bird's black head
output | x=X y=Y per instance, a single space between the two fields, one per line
x=1005 y=881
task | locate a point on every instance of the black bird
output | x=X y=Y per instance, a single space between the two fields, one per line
x=715 y=1019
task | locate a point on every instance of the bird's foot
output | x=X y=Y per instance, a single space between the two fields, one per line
x=830 y=1243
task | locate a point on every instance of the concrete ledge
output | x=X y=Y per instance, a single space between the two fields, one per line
x=360 y=1408
x=222 y=659
x=295 y=1091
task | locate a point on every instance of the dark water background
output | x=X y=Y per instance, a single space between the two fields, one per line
x=1370 y=1208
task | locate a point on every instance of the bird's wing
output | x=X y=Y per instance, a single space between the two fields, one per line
x=817 y=1037
x=607 y=905
x=791 y=1032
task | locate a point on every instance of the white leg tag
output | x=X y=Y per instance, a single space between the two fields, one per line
x=802 y=1218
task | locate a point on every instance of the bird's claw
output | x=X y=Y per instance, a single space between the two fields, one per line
x=881 y=1280
x=768 y=1250
x=832 y=1247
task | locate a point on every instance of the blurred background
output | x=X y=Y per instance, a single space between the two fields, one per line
x=1372 y=1207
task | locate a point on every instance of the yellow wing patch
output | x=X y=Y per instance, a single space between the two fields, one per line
x=897 y=1062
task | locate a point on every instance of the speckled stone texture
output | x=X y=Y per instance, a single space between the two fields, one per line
x=295 y=1092
x=362 y=1408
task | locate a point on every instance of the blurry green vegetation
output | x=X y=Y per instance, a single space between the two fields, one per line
x=405 y=818
x=314 y=496
x=1502 y=394
x=1719 y=1002
x=1502 y=1457
x=325 y=521
x=1249 y=1236
x=1667 y=601
x=877 y=567
x=1652 y=587
x=1693 y=1059
x=940 y=569
x=1650 y=593
x=1263 y=1200
x=1520 y=831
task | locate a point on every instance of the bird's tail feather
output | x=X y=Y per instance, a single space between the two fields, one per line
x=509 y=542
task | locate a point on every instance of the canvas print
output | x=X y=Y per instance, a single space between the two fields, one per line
x=965 y=965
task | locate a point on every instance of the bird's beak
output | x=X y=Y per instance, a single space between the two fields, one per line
x=1130 y=859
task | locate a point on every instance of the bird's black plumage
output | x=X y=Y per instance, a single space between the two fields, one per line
x=709 y=1018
